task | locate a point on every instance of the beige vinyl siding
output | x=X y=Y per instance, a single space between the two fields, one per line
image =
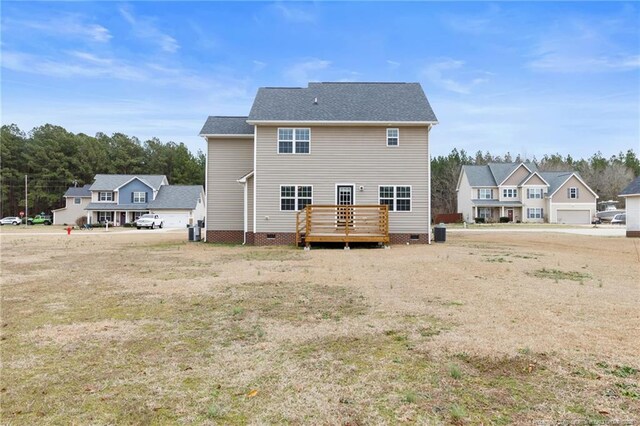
x=584 y=194
x=518 y=176
x=344 y=155
x=465 y=194
x=71 y=211
x=228 y=161
x=535 y=180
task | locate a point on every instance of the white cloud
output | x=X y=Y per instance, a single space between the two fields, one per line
x=258 y=65
x=486 y=22
x=576 y=45
x=393 y=64
x=306 y=71
x=64 y=25
x=145 y=28
x=444 y=73
x=295 y=14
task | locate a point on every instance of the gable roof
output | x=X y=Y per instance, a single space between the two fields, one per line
x=633 y=188
x=112 y=182
x=494 y=174
x=177 y=197
x=226 y=125
x=81 y=191
x=340 y=102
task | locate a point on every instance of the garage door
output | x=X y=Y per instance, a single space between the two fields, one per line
x=175 y=220
x=577 y=217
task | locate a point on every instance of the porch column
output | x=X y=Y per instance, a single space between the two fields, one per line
x=475 y=213
x=501 y=211
x=89 y=217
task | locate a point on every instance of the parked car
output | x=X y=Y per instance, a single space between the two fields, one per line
x=619 y=219
x=40 y=219
x=149 y=221
x=10 y=220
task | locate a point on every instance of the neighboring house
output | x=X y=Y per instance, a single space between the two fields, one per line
x=120 y=199
x=631 y=196
x=76 y=200
x=326 y=144
x=179 y=205
x=522 y=193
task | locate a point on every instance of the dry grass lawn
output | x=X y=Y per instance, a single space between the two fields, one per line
x=146 y=328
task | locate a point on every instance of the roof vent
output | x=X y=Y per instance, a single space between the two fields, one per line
x=315 y=101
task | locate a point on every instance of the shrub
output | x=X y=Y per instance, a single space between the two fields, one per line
x=479 y=220
x=504 y=219
x=81 y=221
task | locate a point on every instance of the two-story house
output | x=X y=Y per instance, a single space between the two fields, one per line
x=329 y=144
x=522 y=193
x=121 y=199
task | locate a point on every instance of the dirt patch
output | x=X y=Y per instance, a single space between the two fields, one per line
x=147 y=328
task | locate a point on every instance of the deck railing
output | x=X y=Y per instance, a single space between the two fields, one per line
x=342 y=223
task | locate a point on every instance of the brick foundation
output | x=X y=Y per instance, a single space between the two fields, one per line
x=287 y=238
x=229 y=237
x=280 y=238
x=406 y=238
x=633 y=234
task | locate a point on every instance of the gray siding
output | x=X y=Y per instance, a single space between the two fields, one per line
x=344 y=155
x=228 y=161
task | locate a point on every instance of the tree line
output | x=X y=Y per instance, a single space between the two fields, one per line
x=606 y=176
x=55 y=159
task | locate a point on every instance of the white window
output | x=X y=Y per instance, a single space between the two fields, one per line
x=105 y=196
x=398 y=198
x=534 y=213
x=484 y=212
x=295 y=197
x=139 y=197
x=294 y=141
x=77 y=200
x=509 y=193
x=572 y=192
x=105 y=216
x=534 y=193
x=485 y=194
x=393 y=137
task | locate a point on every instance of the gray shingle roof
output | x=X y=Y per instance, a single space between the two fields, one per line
x=555 y=179
x=177 y=197
x=385 y=102
x=479 y=176
x=493 y=174
x=220 y=125
x=81 y=191
x=111 y=182
x=495 y=203
x=633 y=188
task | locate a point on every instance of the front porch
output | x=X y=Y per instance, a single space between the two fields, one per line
x=491 y=211
x=342 y=224
x=114 y=217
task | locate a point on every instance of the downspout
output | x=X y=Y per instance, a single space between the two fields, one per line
x=246 y=212
x=206 y=188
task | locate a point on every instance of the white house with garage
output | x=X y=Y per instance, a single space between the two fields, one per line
x=122 y=199
x=520 y=192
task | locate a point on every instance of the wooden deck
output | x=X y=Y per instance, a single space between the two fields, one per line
x=342 y=224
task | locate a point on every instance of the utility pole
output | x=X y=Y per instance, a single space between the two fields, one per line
x=26 y=202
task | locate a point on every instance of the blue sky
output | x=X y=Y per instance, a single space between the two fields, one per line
x=525 y=78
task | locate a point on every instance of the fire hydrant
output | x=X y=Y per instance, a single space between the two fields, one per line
x=69 y=230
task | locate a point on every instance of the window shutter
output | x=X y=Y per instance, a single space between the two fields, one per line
x=146 y=197
x=132 y=197
x=478 y=194
x=577 y=192
x=491 y=192
x=568 y=192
